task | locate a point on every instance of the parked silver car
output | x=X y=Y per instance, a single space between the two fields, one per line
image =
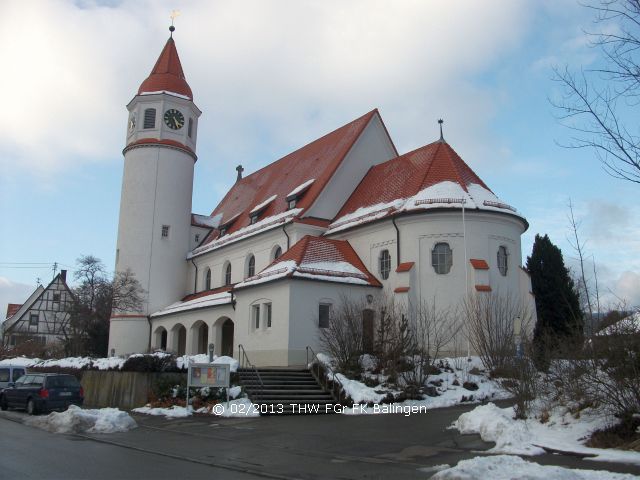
x=10 y=373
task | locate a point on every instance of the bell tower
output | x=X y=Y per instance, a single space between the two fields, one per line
x=155 y=203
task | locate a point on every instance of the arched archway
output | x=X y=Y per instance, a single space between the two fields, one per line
x=160 y=338
x=224 y=328
x=179 y=343
x=200 y=336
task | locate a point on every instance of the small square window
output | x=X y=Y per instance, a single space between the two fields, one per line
x=56 y=297
x=267 y=307
x=33 y=319
x=165 y=231
x=223 y=232
x=292 y=203
x=324 y=311
x=254 y=219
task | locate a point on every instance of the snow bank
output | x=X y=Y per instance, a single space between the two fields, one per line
x=183 y=362
x=527 y=437
x=505 y=467
x=77 y=420
x=171 y=412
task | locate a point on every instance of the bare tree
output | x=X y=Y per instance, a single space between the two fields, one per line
x=495 y=322
x=600 y=105
x=433 y=330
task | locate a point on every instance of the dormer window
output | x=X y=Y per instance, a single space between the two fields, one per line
x=260 y=208
x=223 y=231
x=295 y=195
x=253 y=219
x=292 y=203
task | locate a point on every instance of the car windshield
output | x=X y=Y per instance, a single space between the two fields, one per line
x=62 y=381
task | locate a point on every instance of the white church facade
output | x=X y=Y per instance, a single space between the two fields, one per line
x=344 y=216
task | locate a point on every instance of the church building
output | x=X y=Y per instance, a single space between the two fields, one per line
x=345 y=216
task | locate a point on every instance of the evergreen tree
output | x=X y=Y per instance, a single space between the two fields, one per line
x=560 y=320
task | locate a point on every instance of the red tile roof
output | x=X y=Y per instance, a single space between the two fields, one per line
x=401 y=289
x=313 y=256
x=12 y=308
x=479 y=264
x=410 y=173
x=483 y=288
x=318 y=160
x=204 y=293
x=167 y=74
x=405 y=267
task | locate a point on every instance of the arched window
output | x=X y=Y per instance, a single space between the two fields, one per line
x=207 y=279
x=150 y=118
x=277 y=252
x=227 y=274
x=502 y=260
x=251 y=266
x=441 y=258
x=385 y=264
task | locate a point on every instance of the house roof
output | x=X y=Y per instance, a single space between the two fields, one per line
x=433 y=176
x=12 y=308
x=167 y=75
x=317 y=258
x=210 y=298
x=316 y=161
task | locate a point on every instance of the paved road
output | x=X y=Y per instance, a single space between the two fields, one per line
x=308 y=447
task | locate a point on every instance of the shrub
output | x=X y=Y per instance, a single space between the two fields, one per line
x=150 y=363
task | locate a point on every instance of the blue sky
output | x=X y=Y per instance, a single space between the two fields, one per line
x=270 y=76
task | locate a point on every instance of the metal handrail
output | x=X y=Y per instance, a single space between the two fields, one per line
x=335 y=381
x=244 y=361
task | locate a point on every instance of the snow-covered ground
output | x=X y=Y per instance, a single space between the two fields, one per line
x=239 y=408
x=563 y=431
x=507 y=467
x=447 y=384
x=77 y=420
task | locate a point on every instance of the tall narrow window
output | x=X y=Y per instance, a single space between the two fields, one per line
x=441 y=258
x=255 y=313
x=251 y=266
x=207 y=280
x=190 y=127
x=150 y=118
x=502 y=260
x=324 y=311
x=33 y=319
x=267 y=312
x=277 y=253
x=227 y=274
x=385 y=264
x=165 y=231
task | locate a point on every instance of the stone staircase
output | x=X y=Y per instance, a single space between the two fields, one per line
x=285 y=391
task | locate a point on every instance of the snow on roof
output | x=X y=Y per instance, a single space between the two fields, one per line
x=179 y=95
x=248 y=231
x=433 y=176
x=300 y=188
x=628 y=325
x=205 y=220
x=206 y=301
x=318 y=259
x=262 y=205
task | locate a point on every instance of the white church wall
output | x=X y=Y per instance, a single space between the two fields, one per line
x=306 y=297
x=265 y=345
x=371 y=148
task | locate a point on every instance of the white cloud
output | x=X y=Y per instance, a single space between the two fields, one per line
x=260 y=70
x=12 y=292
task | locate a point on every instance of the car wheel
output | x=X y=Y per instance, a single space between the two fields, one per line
x=3 y=403
x=31 y=407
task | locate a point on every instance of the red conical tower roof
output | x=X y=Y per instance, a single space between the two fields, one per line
x=167 y=74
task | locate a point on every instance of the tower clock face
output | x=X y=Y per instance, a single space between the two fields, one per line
x=173 y=119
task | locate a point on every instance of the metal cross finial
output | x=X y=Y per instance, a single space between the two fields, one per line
x=173 y=16
x=440 y=121
x=239 y=169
